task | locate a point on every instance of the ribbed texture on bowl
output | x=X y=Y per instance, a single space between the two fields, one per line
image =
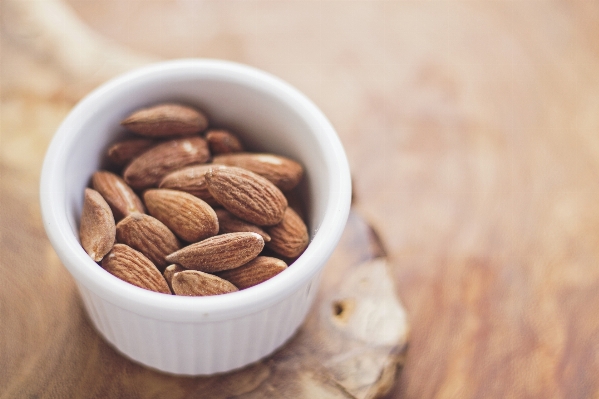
x=196 y=336
x=201 y=347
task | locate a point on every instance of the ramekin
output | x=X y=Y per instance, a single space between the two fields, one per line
x=198 y=335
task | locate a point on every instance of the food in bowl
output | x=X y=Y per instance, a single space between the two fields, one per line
x=215 y=333
x=212 y=208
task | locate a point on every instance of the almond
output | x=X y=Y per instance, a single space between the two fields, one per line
x=121 y=153
x=149 y=236
x=166 y=120
x=247 y=195
x=189 y=217
x=119 y=196
x=170 y=271
x=223 y=142
x=269 y=252
x=196 y=283
x=281 y=171
x=133 y=267
x=222 y=252
x=290 y=237
x=192 y=180
x=228 y=223
x=254 y=272
x=149 y=168
x=96 y=230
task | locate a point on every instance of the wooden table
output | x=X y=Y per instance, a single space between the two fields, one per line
x=472 y=130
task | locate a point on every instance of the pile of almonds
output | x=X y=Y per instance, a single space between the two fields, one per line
x=185 y=210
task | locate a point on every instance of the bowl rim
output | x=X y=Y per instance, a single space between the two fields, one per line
x=179 y=308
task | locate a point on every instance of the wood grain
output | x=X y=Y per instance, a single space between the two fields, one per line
x=351 y=345
x=48 y=348
x=473 y=135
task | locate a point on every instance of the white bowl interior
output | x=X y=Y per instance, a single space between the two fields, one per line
x=261 y=120
x=268 y=115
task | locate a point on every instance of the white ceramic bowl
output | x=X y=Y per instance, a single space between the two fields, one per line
x=198 y=335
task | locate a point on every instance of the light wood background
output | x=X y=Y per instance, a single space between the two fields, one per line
x=472 y=130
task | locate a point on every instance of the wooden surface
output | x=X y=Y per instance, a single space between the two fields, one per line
x=351 y=346
x=472 y=130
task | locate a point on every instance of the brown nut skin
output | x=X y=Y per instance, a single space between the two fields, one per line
x=247 y=195
x=148 y=169
x=166 y=120
x=120 y=197
x=170 y=271
x=221 y=252
x=254 y=272
x=192 y=180
x=133 y=267
x=290 y=237
x=149 y=236
x=229 y=223
x=121 y=153
x=97 y=230
x=189 y=217
x=283 y=172
x=223 y=142
x=196 y=283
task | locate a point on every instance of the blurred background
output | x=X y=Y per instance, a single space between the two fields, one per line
x=472 y=131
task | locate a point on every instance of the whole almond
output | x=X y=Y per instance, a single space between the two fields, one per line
x=192 y=180
x=121 y=153
x=247 y=195
x=149 y=168
x=223 y=142
x=189 y=217
x=149 y=236
x=254 y=272
x=170 y=271
x=133 y=267
x=166 y=120
x=196 y=283
x=96 y=229
x=222 y=252
x=119 y=196
x=281 y=171
x=228 y=223
x=290 y=237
